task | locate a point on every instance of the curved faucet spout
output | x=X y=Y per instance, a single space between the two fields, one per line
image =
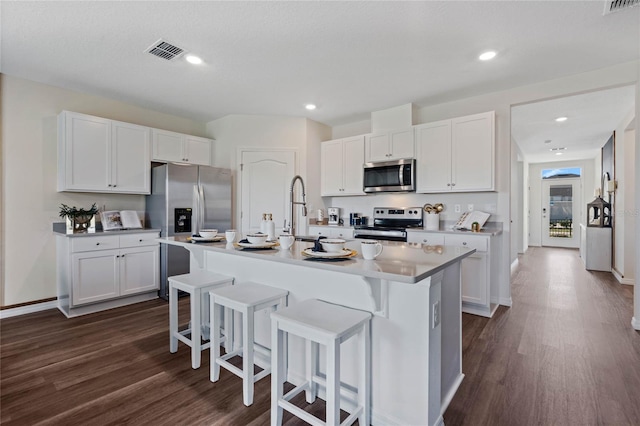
x=292 y=202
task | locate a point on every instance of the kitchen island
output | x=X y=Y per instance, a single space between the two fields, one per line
x=414 y=292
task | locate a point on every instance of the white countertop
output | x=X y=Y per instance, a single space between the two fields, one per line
x=490 y=228
x=401 y=262
x=60 y=229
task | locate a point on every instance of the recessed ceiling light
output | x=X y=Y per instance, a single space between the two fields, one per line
x=558 y=153
x=557 y=149
x=561 y=119
x=192 y=59
x=487 y=55
x=310 y=107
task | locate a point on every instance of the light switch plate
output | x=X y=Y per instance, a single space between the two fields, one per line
x=457 y=208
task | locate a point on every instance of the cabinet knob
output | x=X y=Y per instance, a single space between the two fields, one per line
x=109 y=185
x=97 y=244
x=464 y=243
x=424 y=241
x=453 y=184
x=140 y=240
x=114 y=186
x=448 y=184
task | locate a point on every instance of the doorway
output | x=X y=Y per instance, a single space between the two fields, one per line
x=561 y=212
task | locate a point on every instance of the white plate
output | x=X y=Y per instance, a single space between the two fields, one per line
x=344 y=253
x=207 y=240
x=268 y=244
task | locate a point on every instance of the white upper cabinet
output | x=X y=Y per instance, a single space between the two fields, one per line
x=100 y=155
x=341 y=167
x=456 y=155
x=177 y=147
x=392 y=145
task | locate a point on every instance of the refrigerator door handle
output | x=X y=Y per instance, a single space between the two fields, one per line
x=196 y=211
x=201 y=199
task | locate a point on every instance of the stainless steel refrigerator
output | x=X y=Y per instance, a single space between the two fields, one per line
x=183 y=200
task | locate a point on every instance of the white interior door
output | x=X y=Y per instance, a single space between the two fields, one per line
x=265 y=180
x=561 y=212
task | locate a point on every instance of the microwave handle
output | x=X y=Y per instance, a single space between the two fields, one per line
x=401 y=174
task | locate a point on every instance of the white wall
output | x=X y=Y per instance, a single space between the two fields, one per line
x=259 y=131
x=30 y=202
x=535 y=194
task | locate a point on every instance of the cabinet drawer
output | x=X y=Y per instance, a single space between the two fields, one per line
x=136 y=240
x=422 y=238
x=94 y=243
x=478 y=243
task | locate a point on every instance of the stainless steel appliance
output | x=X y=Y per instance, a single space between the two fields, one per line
x=390 y=223
x=334 y=215
x=390 y=176
x=183 y=200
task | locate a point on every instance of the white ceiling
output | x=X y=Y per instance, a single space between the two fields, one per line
x=350 y=58
x=591 y=119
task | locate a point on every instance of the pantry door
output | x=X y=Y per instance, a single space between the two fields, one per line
x=265 y=178
x=561 y=212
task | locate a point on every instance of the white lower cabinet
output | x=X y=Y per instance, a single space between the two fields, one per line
x=105 y=271
x=329 y=232
x=479 y=272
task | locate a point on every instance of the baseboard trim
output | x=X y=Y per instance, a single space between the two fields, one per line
x=28 y=309
x=514 y=265
x=505 y=301
x=635 y=323
x=621 y=279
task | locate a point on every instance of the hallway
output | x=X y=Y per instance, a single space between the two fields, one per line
x=564 y=353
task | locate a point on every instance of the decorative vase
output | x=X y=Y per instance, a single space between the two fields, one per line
x=432 y=222
x=80 y=224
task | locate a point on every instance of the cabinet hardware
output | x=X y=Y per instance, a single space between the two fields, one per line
x=448 y=184
x=97 y=244
x=109 y=185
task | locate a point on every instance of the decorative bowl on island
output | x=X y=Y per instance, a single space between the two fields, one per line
x=333 y=245
x=257 y=238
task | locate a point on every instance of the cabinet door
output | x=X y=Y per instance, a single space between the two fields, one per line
x=425 y=238
x=475 y=287
x=433 y=159
x=473 y=151
x=95 y=276
x=197 y=150
x=331 y=168
x=401 y=143
x=167 y=146
x=341 y=233
x=352 y=165
x=139 y=269
x=377 y=147
x=320 y=231
x=131 y=164
x=86 y=150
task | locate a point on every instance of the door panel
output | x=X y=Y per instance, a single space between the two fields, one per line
x=216 y=190
x=561 y=212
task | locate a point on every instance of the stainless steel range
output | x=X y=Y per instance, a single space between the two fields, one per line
x=390 y=223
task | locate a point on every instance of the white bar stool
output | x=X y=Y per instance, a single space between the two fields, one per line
x=329 y=325
x=246 y=298
x=197 y=284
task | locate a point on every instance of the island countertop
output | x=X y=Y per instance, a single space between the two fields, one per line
x=400 y=262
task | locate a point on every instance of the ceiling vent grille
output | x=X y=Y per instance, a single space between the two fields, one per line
x=612 y=6
x=165 y=50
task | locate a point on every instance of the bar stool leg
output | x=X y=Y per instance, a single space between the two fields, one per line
x=247 y=357
x=214 y=348
x=173 y=319
x=277 y=373
x=195 y=329
x=333 y=383
x=312 y=349
x=364 y=375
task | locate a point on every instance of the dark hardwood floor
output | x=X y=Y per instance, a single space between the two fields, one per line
x=563 y=354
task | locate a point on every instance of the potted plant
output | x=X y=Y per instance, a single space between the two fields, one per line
x=80 y=219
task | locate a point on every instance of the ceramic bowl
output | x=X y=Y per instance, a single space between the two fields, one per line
x=332 y=245
x=208 y=233
x=257 y=238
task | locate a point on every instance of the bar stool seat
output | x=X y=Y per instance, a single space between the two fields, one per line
x=197 y=284
x=247 y=298
x=321 y=323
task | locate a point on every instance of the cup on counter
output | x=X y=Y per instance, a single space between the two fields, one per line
x=230 y=235
x=286 y=241
x=370 y=249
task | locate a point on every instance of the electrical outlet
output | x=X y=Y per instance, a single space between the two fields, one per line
x=470 y=207
x=436 y=315
x=457 y=208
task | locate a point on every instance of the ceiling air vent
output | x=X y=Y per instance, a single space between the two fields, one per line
x=165 y=50
x=612 y=6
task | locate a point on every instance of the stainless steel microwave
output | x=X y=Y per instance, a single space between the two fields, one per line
x=390 y=176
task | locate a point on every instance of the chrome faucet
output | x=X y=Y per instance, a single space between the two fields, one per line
x=292 y=203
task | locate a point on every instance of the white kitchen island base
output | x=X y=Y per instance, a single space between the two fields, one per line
x=415 y=334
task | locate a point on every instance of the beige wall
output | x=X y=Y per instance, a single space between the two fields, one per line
x=30 y=202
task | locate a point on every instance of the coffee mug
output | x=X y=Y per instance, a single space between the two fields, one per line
x=230 y=235
x=370 y=249
x=286 y=241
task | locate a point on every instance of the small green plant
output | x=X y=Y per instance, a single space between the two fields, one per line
x=73 y=212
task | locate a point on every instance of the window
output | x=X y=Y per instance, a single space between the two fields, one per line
x=568 y=172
